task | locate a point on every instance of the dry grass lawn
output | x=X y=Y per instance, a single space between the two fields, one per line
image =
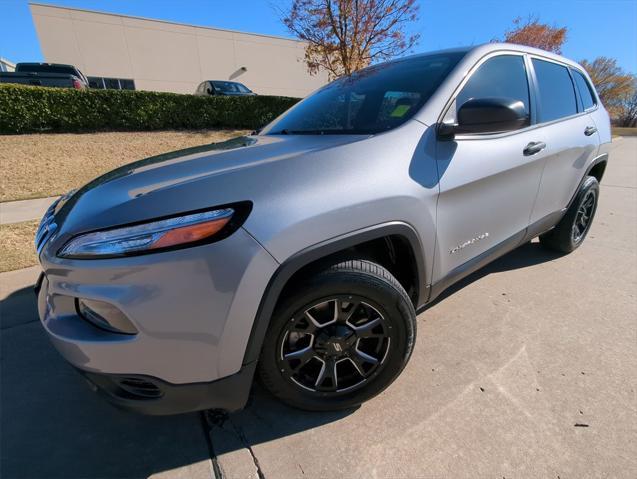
x=16 y=245
x=40 y=165
x=622 y=131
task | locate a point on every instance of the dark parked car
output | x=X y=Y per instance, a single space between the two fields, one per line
x=46 y=74
x=223 y=88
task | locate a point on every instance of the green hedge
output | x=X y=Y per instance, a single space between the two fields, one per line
x=27 y=109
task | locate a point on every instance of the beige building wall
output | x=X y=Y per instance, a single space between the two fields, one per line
x=165 y=56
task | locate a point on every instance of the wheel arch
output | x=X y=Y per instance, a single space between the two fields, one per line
x=333 y=247
x=596 y=169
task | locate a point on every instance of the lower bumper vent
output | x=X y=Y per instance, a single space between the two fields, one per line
x=139 y=387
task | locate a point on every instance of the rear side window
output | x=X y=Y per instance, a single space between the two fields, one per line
x=585 y=93
x=557 y=95
x=499 y=77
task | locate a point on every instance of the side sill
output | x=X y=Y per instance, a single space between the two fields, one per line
x=537 y=228
x=476 y=263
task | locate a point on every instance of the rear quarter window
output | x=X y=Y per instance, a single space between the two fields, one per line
x=585 y=91
x=556 y=91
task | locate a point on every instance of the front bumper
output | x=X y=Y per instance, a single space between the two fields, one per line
x=193 y=309
x=148 y=395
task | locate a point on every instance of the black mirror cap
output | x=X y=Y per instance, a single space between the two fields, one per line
x=491 y=115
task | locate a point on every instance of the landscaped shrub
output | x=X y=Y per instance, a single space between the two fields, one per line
x=28 y=109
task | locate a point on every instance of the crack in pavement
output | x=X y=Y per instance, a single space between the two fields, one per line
x=213 y=418
x=244 y=440
x=207 y=431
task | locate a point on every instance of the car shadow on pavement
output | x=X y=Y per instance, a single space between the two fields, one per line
x=524 y=256
x=53 y=426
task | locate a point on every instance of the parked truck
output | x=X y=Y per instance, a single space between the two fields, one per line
x=47 y=75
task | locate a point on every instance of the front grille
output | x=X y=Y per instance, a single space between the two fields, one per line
x=47 y=227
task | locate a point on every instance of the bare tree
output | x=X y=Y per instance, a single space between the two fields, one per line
x=344 y=36
x=614 y=85
x=627 y=107
x=533 y=33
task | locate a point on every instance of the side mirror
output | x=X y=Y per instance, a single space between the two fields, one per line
x=487 y=115
x=209 y=91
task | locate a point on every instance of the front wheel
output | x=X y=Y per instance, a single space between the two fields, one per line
x=570 y=232
x=339 y=339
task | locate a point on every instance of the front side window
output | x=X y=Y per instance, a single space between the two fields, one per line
x=242 y=88
x=557 y=95
x=584 y=88
x=499 y=77
x=373 y=100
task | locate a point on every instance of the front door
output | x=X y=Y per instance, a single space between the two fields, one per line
x=488 y=182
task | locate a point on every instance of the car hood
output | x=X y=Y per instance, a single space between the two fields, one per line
x=186 y=180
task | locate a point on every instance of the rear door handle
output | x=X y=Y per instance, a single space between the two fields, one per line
x=534 y=147
x=590 y=130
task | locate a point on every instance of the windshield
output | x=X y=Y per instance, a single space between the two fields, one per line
x=230 y=87
x=372 y=100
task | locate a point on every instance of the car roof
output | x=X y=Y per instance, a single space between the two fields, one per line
x=486 y=48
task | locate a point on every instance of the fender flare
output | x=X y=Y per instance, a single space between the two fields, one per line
x=320 y=250
x=603 y=158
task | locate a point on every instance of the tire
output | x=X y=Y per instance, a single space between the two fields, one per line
x=339 y=338
x=572 y=229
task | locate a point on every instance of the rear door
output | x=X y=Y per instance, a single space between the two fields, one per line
x=488 y=182
x=571 y=135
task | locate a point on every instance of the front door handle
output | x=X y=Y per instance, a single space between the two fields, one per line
x=534 y=147
x=590 y=130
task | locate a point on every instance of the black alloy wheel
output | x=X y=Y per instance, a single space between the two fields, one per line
x=334 y=346
x=339 y=336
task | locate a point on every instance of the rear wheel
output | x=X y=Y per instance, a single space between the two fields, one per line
x=572 y=229
x=339 y=339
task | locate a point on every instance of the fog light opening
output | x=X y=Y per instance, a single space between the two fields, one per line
x=104 y=316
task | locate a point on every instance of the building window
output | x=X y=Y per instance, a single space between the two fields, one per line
x=111 y=83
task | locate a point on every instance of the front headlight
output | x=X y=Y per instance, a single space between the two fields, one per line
x=148 y=237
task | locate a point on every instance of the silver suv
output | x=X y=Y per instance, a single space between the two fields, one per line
x=302 y=253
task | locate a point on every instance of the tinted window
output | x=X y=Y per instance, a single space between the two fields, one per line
x=95 y=82
x=557 y=96
x=499 y=77
x=57 y=69
x=111 y=83
x=369 y=101
x=584 y=90
x=127 y=84
x=242 y=88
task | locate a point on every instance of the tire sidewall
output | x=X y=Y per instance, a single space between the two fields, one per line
x=589 y=184
x=377 y=293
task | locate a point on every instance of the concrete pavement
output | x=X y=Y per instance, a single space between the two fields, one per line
x=24 y=210
x=527 y=368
